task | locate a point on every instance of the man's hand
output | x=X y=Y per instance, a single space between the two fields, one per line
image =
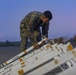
x=36 y=46
x=46 y=39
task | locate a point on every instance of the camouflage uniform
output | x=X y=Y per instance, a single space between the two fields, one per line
x=30 y=28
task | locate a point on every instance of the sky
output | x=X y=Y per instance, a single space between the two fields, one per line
x=13 y=11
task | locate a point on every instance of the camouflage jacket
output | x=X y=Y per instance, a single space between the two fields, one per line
x=32 y=23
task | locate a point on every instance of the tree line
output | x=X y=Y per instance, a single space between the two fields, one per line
x=9 y=43
x=17 y=43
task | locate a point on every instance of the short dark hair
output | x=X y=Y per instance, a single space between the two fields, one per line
x=48 y=14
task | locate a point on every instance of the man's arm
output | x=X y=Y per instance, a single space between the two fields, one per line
x=45 y=29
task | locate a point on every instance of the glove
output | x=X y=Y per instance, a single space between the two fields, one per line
x=36 y=46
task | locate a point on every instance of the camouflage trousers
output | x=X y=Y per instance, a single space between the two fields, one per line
x=25 y=35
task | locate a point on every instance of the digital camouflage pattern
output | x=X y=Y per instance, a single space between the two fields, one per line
x=30 y=28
